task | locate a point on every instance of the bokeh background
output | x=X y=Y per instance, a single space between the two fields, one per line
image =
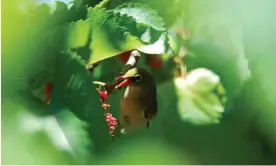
x=234 y=39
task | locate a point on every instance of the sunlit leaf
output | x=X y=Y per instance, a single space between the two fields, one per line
x=117 y=31
x=104 y=48
x=78 y=34
x=170 y=11
x=29 y=139
x=143 y=14
x=198 y=101
x=74 y=130
x=159 y=47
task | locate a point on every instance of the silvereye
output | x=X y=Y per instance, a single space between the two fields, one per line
x=139 y=104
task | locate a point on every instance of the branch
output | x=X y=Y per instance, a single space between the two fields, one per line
x=133 y=58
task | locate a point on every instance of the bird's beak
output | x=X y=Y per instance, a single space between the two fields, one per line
x=126 y=78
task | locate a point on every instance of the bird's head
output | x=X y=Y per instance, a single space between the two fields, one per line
x=137 y=77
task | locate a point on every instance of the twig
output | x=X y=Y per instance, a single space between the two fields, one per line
x=180 y=63
x=133 y=58
x=99 y=83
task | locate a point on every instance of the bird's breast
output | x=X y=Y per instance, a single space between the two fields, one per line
x=131 y=111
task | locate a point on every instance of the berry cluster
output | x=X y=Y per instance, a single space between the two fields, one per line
x=111 y=121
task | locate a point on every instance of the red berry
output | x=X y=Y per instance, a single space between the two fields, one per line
x=103 y=95
x=123 y=57
x=47 y=91
x=108 y=115
x=111 y=122
x=155 y=62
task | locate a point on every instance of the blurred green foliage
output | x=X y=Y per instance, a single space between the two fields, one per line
x=226 y=37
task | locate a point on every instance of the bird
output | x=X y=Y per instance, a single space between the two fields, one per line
x=138 y=106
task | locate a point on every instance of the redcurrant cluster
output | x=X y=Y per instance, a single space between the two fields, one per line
x=111 y=121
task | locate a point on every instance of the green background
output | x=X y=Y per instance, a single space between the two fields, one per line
x=223 y=33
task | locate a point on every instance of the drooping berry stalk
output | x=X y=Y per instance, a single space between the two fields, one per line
x=111 y=122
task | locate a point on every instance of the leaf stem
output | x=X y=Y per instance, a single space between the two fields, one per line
x=133 y=58
x=102 y=4
x=180 y=64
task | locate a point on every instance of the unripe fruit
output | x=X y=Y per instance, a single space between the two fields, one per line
x=123 y=57
x=155 y=62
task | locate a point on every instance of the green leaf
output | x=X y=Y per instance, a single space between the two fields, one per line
x=112 y=34
x=118 y=23
x=75 y=57
x=159 y=47
x=143 y=14
x=199 y=103
x=74 y=130
x=78 y=34
x=170 y=10
x=114 y=31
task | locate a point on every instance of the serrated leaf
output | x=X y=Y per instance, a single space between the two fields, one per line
x=75 y=57
x=103 y=48
x=78 y=34
x=116 y=32
x=117 y=25
x=170 y=10
x=142 y=14
x=74 y=83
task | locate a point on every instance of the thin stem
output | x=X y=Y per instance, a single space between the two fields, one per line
x=133 y=58
x=180 y=63
x=99 y=83
x=102 y=4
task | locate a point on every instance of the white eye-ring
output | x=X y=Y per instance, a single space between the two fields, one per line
x=138 y=78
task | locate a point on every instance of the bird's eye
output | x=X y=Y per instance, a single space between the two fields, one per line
x=138 y=78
